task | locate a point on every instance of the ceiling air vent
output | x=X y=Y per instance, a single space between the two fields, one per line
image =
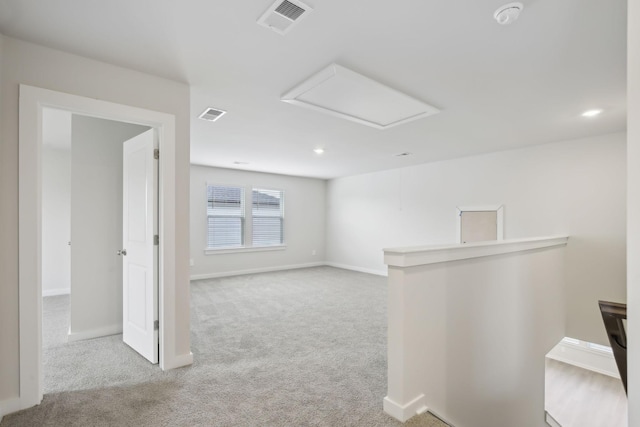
x=211 y=114
x=283 y=14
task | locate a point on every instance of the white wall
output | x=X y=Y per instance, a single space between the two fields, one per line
x=56 y=194
x=468 y=331
x=96 y=225
x=633 y=200
x=56 y=221
x=575 y=188
x=304 y=210
x=26 y=63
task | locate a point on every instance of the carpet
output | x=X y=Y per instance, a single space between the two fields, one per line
x=292 y=348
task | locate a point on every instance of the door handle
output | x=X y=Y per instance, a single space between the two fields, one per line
x=122 y=252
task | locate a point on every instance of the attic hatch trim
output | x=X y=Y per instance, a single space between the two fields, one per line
x=208 y=116
x=282 y=15
x=304 y=93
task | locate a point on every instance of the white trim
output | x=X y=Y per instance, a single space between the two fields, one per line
x=422 y=255
x=338 y=72
x=94 y=333
x=32 y=101
x=585 y=358
x=255 y=270
x=383 y=273
x=241 y=249
x=550 y=420
x=179 y=361
x=499 y=209
x=56 y=292
x=407 y=411
x=10 y=406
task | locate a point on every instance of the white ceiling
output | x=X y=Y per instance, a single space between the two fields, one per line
x=499 y=87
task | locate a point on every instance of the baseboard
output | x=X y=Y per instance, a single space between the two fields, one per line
x=10 y=406
x=585 y=358
x=255 y=271
x=359 y=269
x=403 y=412
x=178 y=361
x=95 y=333
x=286 y=267
x=550 y=420
x=55 y=292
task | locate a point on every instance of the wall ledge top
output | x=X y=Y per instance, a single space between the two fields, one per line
x=424 y=255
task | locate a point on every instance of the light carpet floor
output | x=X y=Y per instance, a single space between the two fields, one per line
x=292 y=348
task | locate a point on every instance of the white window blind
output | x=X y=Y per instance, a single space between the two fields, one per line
x=225 y=216
x=267 y=213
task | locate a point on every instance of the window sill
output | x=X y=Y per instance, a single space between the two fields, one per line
x=212 y=251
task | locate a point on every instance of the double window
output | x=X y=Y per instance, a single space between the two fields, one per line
x=230 y=225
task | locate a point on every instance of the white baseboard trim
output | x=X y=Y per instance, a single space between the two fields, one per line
x=359 y=269
x=585 y=358
x=403 y=412
x=10 y=406
x=95 y=333
x=55 y=292
x=255 y=271
x=286 y=267
x=550 y=420
x=179 y=361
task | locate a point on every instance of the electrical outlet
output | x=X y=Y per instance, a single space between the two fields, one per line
x=313 y=252
x=191 y=263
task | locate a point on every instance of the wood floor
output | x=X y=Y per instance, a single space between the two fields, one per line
x=576 y=397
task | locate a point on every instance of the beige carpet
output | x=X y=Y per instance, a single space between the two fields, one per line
x=293 y=348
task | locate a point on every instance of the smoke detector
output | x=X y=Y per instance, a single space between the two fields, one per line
x=508 y=13
x=211 y=114
x=283 y=15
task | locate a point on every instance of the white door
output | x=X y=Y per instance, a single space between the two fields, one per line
x=140 y=254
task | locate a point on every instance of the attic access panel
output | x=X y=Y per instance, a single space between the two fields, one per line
x=343 y=93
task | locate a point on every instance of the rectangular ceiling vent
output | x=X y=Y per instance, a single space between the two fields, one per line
x=343 y=93
x=211 y=114
x=283 y=15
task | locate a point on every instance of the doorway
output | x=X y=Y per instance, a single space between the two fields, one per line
x=32 y=102
x=82 y=234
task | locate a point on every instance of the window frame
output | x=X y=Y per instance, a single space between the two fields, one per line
x=247 y=226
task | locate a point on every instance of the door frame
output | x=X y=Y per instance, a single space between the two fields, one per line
x=32 y=101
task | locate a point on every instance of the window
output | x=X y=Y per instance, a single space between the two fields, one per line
x=225 y=216
x=232 y=227
x=267 y=214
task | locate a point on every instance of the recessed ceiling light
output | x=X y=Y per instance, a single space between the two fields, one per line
x=240 y=163
x=318 y=150
x=591 y=113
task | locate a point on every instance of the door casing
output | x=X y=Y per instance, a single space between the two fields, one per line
x=32 y=101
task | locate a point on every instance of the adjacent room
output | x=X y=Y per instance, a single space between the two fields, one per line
x=342 y=213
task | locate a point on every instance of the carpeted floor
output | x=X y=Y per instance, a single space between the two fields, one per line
x=292 y=348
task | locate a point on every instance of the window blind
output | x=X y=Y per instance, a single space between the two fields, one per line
x=267 y=213
x=225 y=216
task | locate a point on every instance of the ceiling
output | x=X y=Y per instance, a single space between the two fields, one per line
x=498 y=87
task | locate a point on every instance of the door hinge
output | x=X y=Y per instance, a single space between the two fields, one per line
x=156 y=325
x=156 y=240
x=156 y=154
